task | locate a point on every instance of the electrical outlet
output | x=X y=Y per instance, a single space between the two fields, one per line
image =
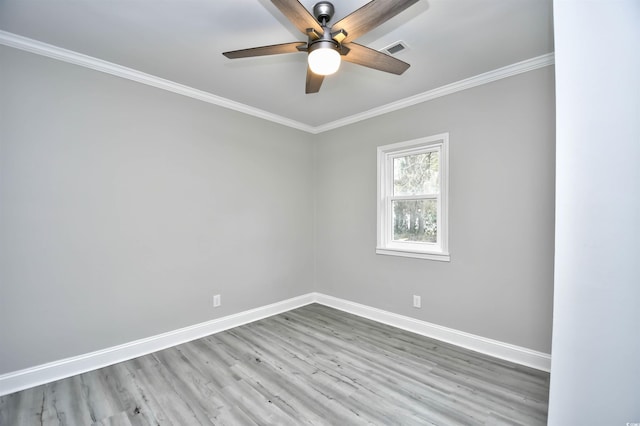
x=417 y=303
x=216 y=300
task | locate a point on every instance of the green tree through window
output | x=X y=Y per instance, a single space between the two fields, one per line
x=416 y=220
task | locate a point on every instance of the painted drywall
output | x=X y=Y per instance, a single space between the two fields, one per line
x=595 y=371
x=499 y=282
x=125 y=208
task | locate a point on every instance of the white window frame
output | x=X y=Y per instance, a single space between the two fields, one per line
x=421 y=250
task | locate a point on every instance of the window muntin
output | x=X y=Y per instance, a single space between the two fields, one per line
x=412 y=198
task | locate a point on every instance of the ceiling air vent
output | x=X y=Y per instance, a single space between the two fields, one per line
x=395 y=48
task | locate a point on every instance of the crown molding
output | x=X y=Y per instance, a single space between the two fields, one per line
x=65 y=55
x=467 y=83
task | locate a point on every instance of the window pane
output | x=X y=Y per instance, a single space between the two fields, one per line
x=415 y=220
x=416 y=174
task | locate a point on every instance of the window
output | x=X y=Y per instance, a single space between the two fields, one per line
x=412 y=198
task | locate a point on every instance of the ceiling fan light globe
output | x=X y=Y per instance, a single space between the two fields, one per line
x=324 y=61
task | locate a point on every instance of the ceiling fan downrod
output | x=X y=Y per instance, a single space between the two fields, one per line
x=323 y=11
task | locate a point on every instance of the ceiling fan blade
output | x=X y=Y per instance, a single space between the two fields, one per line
x=370 y=16
x=314 y=81
x=362 y=55
x=274 y=49
x=298 y=15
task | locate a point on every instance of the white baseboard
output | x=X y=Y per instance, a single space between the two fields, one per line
x=494 y=348
x=45 y=373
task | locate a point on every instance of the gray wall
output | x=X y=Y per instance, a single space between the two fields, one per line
x=124 y=208
x=499 y=283
x=595 y=371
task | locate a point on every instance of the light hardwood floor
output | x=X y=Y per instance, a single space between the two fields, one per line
x=313 y=365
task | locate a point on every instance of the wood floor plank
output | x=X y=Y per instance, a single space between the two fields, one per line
x=176 y=404
x=311 y=366
x=120 y=419
x=295 y=371
x=340 y=368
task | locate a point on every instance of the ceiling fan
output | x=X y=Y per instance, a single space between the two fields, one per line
x=327 y=44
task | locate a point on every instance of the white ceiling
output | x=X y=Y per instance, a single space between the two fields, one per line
x=183 y=41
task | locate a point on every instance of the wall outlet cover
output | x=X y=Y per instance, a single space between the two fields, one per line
x=417 y=303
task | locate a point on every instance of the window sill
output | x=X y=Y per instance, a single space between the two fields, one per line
x=441 y=257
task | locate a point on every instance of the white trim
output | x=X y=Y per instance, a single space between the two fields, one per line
x=50 y=51
x=45 y=373
x=442 y=257
x=458 y=86
x=65 y=55
x=384 y=215
x=494 y=348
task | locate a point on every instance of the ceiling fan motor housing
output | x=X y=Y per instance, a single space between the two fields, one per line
x=323 y=44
